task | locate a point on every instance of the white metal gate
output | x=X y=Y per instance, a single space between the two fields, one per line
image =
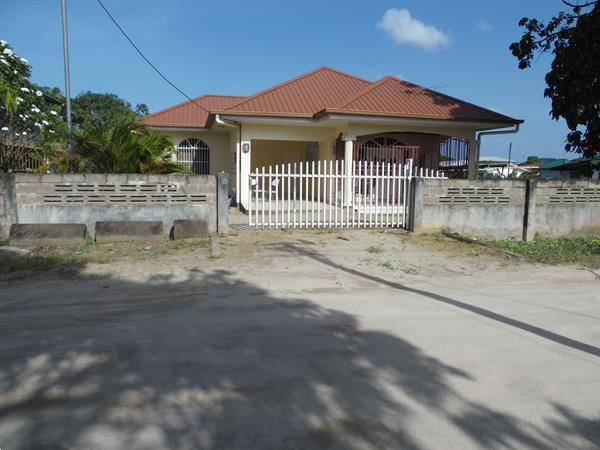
x=325 y=194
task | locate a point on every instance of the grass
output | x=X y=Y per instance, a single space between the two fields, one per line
x=374 y=250
x=584 y=251
x=386 y=265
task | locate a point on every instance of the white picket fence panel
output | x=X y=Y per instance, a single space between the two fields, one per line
x=323 y=194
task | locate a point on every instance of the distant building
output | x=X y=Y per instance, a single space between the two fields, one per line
x=573 y=169
x=498 y=167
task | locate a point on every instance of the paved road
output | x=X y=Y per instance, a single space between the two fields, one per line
x=308 y=352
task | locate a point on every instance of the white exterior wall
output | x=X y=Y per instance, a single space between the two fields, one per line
x=224 y=142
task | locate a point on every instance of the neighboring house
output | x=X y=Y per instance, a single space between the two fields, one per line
x=576 y=169
x=322 y=115
x=547 y=168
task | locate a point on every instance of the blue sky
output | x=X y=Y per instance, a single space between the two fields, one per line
x=240 y=47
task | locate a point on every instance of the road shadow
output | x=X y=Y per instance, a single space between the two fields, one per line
x=305 y=250
x=214 y=362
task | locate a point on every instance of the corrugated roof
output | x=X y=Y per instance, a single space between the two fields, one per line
x=390 y=96
x=323 y=91
x=302 y=96
x=190 y=113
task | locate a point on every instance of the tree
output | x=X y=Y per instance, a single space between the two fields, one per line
x=28 y=121
x=573 y=83
x=121 y=145
x=92 y=108
x=533 y=160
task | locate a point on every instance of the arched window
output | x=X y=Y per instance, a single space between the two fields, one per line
x=195 y=154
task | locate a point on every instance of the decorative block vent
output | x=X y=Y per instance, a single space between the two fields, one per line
x=572 y=195
x=110 y=193
x=473 y=195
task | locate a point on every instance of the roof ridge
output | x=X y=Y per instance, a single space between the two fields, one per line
x=291 y=80
x=364 y=91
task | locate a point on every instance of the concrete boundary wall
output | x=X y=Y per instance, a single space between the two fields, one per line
x=506 y=208
x=90 y=198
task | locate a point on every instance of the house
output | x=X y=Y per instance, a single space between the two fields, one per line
x=326 y=114
x=548 y=166
x=574 y=169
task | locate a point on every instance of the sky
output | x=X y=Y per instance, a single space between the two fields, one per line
x=457 y=47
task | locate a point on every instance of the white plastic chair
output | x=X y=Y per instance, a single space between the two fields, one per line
x=257 y=192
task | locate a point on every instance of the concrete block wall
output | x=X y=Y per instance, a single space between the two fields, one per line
x=506 y=208
x=565 y=207
x=486 y=207
x=88 y=198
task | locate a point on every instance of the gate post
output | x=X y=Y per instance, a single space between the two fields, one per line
x=415 y=207
x=222 y=203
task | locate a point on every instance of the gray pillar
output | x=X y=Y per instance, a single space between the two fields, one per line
x=473 y=163
x=223 y=203
x=415 y=208
x=8 y=204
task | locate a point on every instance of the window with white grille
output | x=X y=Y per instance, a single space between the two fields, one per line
x=194 y=154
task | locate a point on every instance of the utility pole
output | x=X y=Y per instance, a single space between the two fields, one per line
x=63 y=4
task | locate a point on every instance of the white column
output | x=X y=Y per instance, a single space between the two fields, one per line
x=348 y=150
x=245 y=169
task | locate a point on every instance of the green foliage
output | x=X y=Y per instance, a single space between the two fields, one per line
x=582 y=250
x=533 y=160
x=27 y=120
x=120 y=145
x=107 y=138
x=92 y=108
x=573 y=84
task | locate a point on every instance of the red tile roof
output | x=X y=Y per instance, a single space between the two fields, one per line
x=390 y=96
x=324 y=91
x=302 y=96
x=190 y=113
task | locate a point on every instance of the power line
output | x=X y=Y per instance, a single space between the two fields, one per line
x=146 y=59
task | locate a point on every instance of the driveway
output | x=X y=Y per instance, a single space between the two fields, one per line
x=360 y=340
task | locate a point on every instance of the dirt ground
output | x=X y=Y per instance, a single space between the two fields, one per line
x=298 y=340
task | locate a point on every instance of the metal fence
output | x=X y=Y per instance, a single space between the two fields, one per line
x=328 y=194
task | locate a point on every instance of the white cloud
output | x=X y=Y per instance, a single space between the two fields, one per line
x=484 y=25
x=405 y=29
